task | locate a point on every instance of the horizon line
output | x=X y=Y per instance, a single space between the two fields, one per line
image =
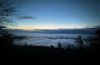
x=50 y=29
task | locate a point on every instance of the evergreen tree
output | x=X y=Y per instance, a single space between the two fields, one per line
x=59 y=45
x=79 y=41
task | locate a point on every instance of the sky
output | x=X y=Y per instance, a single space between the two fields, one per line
x=57 y=14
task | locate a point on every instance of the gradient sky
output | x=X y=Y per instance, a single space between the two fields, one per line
x=56 y=14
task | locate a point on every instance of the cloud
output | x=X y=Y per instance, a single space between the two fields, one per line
x=26 y=17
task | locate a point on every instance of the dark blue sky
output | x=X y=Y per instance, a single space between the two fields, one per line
x=55 y=14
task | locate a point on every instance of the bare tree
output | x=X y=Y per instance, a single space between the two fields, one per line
x=6 y=10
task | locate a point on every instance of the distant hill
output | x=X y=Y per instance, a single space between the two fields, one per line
x=58 y=31
x=73 y=31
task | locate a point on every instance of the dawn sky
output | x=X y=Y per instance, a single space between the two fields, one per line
x=56 y=14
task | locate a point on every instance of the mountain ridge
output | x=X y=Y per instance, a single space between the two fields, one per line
x=74 y=31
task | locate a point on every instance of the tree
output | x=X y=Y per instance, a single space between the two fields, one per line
x=59 y=45
x=80 y=41
x=98 y=33
x=95 y=41
x=6 y=11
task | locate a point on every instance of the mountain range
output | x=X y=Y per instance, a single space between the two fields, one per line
x=58 y=31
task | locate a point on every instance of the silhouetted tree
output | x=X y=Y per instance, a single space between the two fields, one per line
x=79 y=41
x=52 y=46
x=59 y=45
x=98 y=33
x=6 y=40
x=69 y=48
x=6 y=10
x=95 y=41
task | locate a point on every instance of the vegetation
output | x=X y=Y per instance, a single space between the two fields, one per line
x=58 y=55
x=79 y=41
x=6 y=11
x=51 y=54
x=59 y=45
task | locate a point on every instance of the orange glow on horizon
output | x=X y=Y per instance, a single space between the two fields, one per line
x=47 y=27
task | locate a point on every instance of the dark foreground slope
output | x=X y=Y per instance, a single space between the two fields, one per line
x=50 y=54
x=37 y=54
